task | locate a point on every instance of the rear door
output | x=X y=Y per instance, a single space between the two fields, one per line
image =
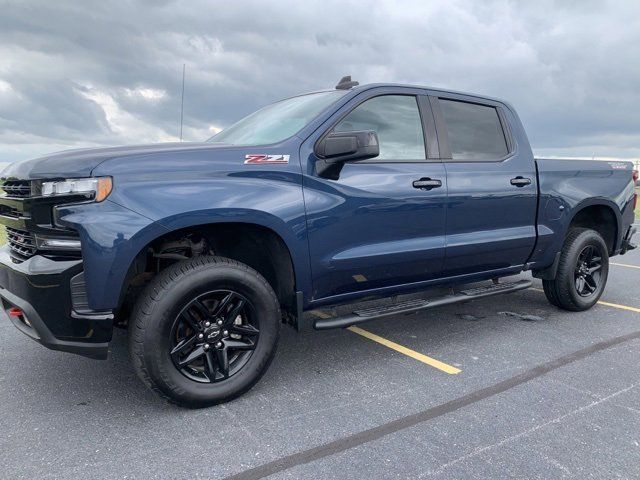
x=491 y=206
x=375 y=227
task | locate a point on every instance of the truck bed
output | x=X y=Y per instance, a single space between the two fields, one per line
x=567 y=186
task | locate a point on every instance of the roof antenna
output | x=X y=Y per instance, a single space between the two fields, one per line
x=182 y=102
x=345 y=83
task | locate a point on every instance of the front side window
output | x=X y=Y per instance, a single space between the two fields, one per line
x=396 y=120
x=475 y=131
x=278 y=121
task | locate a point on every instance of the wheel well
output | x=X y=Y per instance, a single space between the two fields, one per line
x=258 y=247
x=601 y=219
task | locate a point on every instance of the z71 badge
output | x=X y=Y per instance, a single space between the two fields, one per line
x=257 y=159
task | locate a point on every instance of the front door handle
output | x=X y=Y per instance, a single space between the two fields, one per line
x=427 y=183
x=520 y=181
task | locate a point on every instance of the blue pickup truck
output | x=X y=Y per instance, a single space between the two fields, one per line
x=358 y=192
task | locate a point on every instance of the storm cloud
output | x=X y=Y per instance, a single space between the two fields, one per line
x=105 y=73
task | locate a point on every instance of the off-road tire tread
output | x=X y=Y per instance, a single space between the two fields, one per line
x=550 y=292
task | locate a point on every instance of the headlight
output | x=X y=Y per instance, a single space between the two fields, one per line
x=99 y=187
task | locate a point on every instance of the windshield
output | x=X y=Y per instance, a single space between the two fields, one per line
x=278 y=121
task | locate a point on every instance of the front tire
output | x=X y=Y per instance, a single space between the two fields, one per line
x=204 y=331
x=582 y=271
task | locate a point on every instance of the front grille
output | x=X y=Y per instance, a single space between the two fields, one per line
x=17 y=188
x=9 y=211
x=21 y=242
x=28 y=219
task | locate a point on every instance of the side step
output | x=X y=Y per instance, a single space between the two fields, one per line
x=412 y=306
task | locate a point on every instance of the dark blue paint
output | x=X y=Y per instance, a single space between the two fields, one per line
x=369 y=232
x=575 y=185
x=372 y=229
x=491 y=223
x=111 y=238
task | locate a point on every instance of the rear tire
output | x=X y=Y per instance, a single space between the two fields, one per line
x=582 y=271
x=204 y=331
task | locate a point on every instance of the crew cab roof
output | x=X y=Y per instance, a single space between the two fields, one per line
x=370 y=86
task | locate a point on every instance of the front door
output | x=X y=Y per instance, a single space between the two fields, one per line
x=382 y=222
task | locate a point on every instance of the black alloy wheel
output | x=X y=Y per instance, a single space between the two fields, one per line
x=214 y=336
x=588 y=271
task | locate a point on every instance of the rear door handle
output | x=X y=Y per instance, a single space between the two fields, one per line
x=427 y=183
x=520 y=181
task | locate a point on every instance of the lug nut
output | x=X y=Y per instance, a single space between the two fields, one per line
x=225 y=333
x=219 y=322
x=219 y=345
x=207 y=324
x=206 y=346
x=200 y=336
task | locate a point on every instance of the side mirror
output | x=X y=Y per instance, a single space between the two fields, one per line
x=339 y=147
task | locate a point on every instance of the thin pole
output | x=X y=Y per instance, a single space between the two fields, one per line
x=182 y=102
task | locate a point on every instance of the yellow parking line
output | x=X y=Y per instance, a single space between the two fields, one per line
x=621 y=307
x=398 y=348
x=406 y=351
x=624 y=265
x=606 y=304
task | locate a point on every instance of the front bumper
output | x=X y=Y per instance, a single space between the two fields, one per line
x=41 y=289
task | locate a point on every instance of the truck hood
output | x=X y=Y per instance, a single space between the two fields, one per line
x=81 y=162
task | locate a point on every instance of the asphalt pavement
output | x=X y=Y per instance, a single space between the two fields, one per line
x=501 y=387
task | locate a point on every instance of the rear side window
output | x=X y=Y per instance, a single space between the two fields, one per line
x=396 y=120
x=475 y=131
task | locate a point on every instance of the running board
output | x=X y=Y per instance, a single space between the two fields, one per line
x=412 y=306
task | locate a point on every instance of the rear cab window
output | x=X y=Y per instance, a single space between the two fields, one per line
x=475 y=131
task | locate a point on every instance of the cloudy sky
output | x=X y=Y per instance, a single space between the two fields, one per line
x=89 y=73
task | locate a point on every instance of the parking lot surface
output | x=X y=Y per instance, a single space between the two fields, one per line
x=507 y=386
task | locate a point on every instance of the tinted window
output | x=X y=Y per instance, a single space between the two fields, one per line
x=396 y=120
x=475 y=132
